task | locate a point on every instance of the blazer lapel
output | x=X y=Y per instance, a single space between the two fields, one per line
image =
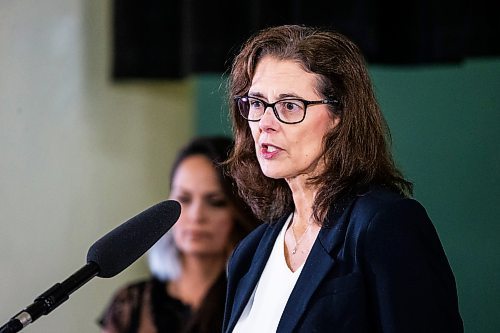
x=248 y=282
x=320 y=261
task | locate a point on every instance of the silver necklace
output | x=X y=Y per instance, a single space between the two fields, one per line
x=297 y=242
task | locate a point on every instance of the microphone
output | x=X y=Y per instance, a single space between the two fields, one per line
x=107 y=257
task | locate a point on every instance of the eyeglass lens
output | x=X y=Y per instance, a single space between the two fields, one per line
x=289 y=110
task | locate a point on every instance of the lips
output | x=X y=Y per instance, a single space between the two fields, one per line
x=196 y=234
x=269 y=151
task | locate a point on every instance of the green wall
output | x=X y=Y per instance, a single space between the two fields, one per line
x=211 y=111
x=445 y=125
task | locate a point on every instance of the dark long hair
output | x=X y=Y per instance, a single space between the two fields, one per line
x=209 y=316
x=356 y=152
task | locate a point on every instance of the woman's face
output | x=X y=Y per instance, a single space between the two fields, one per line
x=206 y=221
x=288 y=150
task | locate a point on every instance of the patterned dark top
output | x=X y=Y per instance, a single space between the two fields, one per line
x=146 y=307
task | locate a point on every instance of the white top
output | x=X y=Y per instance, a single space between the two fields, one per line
x=264 y=308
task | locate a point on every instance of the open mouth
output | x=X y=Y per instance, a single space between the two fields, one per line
x=269 y=148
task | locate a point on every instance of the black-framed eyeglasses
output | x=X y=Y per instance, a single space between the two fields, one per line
x=288 y=110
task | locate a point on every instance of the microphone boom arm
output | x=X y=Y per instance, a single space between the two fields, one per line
x=51 y=299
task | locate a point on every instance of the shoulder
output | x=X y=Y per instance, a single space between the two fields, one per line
x=125 y=300
x=391 y=222
x=379 y=214
x=133 y=291
x=379 y=203
x=138 y=284
x=377 y=198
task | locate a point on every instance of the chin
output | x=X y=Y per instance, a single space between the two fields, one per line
x=270 y=171
x=273 y=174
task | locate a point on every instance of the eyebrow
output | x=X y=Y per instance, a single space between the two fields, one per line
x=280 y=96
x=183 y=191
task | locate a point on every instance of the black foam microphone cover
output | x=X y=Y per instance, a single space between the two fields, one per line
x=120 y=247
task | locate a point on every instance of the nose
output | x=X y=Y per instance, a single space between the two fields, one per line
x=268 y=122
x=195 y=212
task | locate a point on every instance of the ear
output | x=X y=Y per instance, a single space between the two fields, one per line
x=335 y=121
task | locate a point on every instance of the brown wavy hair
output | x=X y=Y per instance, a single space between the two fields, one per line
x=356 y=152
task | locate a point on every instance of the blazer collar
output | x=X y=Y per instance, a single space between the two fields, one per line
x=322 y=257
x=249 y=280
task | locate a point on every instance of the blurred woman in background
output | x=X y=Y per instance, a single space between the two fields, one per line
x=187 y=289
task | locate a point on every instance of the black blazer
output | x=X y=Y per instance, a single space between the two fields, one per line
x=379 y=267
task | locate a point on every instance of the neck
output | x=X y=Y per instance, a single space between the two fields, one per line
x=303 y=199
x=197 y=275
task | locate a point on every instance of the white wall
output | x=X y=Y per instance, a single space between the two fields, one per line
x=79 y=154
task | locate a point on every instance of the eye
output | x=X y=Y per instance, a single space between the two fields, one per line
x=183 y=199
x=290 y=106
x=255 y=103
x=217 y=202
